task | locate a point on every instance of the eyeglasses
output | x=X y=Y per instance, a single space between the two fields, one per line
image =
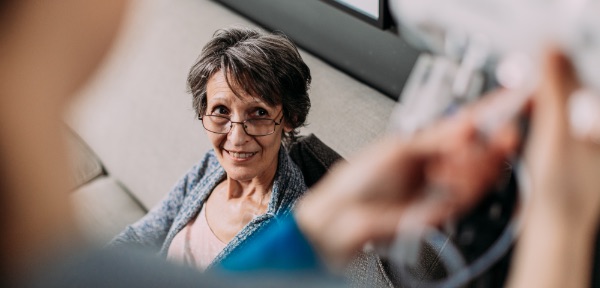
x=253 y=127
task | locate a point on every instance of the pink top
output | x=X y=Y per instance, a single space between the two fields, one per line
x=196 y=245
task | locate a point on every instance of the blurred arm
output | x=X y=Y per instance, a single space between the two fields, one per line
x=557 y=245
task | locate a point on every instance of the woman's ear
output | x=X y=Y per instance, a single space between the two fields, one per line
x=287 y=128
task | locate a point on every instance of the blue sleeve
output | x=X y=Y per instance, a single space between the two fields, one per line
x=279 y=246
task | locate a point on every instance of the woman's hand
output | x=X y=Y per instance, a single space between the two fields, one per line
x=440 y=172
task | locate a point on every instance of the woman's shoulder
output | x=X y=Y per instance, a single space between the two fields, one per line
x=288 y=171
x=288 y=185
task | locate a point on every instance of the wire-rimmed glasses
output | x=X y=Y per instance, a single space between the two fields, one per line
x=253 y=127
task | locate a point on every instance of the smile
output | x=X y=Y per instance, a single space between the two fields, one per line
x=240 y=155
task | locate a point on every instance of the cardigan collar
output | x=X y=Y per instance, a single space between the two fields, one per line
x=288 y=186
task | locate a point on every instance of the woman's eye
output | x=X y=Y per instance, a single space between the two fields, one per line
x=220 y=110
x=260 y=112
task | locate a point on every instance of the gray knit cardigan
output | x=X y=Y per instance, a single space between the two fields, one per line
x=157 y=229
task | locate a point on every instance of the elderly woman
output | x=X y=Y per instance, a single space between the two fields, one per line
x=250 y=93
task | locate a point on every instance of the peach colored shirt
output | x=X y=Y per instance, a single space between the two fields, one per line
x=196 y=245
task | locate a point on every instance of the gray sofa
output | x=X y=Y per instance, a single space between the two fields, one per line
x=133 y=128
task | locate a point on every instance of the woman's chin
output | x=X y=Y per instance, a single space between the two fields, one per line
x=241 y=175
x=246 y=167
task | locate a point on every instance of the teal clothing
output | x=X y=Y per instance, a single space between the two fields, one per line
x=280 y=245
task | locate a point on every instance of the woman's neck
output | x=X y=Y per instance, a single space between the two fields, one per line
x=254 y=189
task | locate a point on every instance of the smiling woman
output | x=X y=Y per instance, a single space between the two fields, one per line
x=250 y=91
x=244 y=155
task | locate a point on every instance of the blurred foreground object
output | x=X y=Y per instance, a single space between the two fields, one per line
x=473 y=47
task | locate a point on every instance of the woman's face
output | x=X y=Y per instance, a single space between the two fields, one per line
x=244 y=157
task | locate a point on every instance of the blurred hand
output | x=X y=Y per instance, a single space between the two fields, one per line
x=556 y=246
x=440 y=172
x=563 y=168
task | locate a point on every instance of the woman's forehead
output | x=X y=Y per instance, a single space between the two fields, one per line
x=233 y=98
x=217 y=89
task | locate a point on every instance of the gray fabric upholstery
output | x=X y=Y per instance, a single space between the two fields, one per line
x=84 y=163
x=313 y=157
x=104 y=208
x=368 y=270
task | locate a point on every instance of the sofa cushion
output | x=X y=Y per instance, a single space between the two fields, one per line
x=85 y=164
x=103 y=208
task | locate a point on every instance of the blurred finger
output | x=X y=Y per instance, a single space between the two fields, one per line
x=584 y=116
x=558 y=82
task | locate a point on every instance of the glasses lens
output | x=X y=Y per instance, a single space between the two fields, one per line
x=260 y=127
x=217 y=124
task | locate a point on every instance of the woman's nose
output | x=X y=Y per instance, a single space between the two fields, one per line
x=237 y=135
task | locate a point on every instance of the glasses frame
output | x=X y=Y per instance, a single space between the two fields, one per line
x=244 y=126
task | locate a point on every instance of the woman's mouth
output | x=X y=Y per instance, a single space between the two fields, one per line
x=240 y=155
